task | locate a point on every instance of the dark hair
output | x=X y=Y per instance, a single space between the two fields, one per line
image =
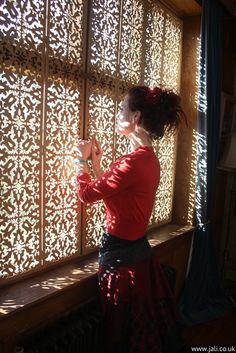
x=160 y=109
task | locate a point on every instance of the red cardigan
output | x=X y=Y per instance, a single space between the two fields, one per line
x=128 y=190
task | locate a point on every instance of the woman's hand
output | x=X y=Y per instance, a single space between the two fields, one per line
x=84 y=149
x=97 y=153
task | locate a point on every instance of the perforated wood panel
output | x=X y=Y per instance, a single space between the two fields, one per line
x=65 y=67
x=41 y=64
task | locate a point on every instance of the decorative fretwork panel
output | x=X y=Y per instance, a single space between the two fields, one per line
x=172 y=53
x=154 y=45
x=163 y=48
x=101 y=124
x=104 y=36
x=162 y=210
x=131 y=40
x=94 y=224
x=62 y=126
x=66 y=30
x=21 y=90
x=20 y=173
x=22 y=23
x=162 y=67
x=58 y=86
x=61 y=203
x=41 y=65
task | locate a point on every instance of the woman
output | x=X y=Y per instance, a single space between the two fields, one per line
x=139 y=314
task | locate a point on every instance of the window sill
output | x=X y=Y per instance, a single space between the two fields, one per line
x=44 y=297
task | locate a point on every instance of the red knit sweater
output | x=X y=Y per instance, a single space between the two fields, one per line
x=128 y=190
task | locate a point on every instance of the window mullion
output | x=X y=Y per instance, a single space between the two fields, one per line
x=45 y=47
x=85 y=105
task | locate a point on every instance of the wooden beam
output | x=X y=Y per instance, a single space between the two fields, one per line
x=183 y=8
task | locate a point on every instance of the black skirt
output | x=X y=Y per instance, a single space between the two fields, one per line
x=137 y=303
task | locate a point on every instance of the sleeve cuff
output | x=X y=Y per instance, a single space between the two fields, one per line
x=83 y=178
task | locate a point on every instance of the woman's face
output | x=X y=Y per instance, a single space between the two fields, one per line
x=126 y=120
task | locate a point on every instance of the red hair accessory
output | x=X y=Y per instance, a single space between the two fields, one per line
x=153 y=95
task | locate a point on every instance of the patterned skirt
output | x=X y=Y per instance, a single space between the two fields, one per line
x=137 y=302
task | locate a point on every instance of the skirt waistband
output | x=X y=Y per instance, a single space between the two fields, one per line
x=115 y=252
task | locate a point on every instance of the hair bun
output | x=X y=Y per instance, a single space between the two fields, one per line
x=153 y=95
x=160 y=109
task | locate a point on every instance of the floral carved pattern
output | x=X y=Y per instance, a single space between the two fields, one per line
x=64 y=72
x=41 y=62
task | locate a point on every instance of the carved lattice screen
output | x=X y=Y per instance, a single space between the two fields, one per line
x=63 y=76
x=132 y=42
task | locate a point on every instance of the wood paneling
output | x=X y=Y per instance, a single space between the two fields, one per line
x=175 y=253
x=184 y=8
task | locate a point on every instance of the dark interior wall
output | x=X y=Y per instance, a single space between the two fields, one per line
x=228 y=86
x=229 y=55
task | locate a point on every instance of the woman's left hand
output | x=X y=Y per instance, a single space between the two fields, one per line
x=84 y=149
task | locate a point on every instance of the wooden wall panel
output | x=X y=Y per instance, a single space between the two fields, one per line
x=184 y=198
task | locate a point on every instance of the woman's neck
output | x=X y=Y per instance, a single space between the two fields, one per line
x=139 y=138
